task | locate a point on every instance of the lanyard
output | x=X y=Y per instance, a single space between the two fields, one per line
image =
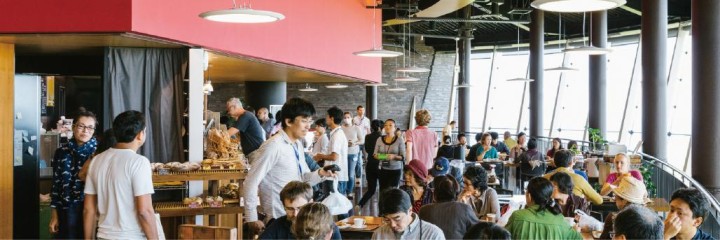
x=297 y=157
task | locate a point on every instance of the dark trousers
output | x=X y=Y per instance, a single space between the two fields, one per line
x=70 y=222
x=372 y=173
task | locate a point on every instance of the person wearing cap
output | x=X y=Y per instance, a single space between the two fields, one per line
x=477 y=194
x=688 y=210
x=622 y=166
x=416 y=175
x=629 y=192
x=442 y=167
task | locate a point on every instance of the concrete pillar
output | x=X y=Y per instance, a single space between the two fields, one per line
x=264 y=94
x=371 y=102
x=464 y=51
x=654 y=77
x=598 y=75
x=537 y=42
x=705 y=97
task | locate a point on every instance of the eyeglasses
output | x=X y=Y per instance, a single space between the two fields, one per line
x=83 y=128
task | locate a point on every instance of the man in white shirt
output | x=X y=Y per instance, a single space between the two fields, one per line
x=279 y=161
x=447 y=131
x=337 y=148
x=356 y=138
x=364 y=123
x=320 y=145
x=119 y=186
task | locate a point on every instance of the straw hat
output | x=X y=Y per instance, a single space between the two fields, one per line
x=632 y=190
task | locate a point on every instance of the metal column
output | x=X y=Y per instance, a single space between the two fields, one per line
x=597 y=114
x=371 y=102
x=705 y=97
x=654 y=75
x=537 y=42
x=465 y=48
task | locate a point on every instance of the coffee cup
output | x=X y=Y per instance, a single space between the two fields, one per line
x=358 y=222
x=490 y=217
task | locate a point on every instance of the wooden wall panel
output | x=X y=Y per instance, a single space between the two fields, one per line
x=7 y=75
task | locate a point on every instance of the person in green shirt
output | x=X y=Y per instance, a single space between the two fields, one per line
x=540 y=219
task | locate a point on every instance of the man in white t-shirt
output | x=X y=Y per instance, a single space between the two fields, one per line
x=337 y=148
x=119 y=186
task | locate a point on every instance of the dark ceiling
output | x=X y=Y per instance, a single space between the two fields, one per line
x=488 y=34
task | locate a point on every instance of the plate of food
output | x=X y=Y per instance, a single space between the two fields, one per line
x=343 y=225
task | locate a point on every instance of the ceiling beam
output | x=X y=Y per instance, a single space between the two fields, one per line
x=467 y=20
x=631 y=10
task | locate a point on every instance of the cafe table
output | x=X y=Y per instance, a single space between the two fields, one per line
x=348 y=231
x=659 y=205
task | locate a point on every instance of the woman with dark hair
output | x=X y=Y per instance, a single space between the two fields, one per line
x=416 y=185
x=390 y=153
x=372 y=169
x=567 y=202
x=487 y=230
x=477 y=194
x=573 y=147
x=556 y=145
x=540 y=219
x=454 y=218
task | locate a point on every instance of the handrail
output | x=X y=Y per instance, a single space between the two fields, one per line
x=713 y=201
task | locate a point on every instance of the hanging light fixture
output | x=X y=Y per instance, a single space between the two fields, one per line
x=519 y=79
x=406 y=79
x=207 y=87
x=337 y=86
x=307 y=88
x=588 y=49
x=242 y=14
x=576 y=6
x=563 y=67
x=377 y=51
x=376 y=84
x=396 y=88
x=412 y=68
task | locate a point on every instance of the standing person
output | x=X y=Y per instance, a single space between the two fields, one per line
x=119 y=186
x=688 y=210
x=68 y=184
x=320 y=143
x=477 y=194
x=448 y=129
x=278 y=162
x=247 y=125
x=372 y=170
x=337 y=152
x=106 y=142
x=355 y=138
x=266 y=121
x=401 y=222
x=454 y=218
x=294 y=196
x=507 y=139
x=540 y=219
x=421 y=142
x=486 y=151
x=363 y=123
x=416 y=186
x=390 y=151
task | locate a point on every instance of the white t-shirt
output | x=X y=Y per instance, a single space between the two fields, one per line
x=339 y=144
x=354 y=134
x=117 y=176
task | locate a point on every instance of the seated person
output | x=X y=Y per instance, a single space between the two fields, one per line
x=442 y=167
x=416 y=175
x=400 y=221
x=472 y=153
x=567 y=202
x=487 y=230
x=637 y=222
x=572 y=165
x=454 y=218
x=629 y=192
x=486 y=150
x=477 y=194
x=313 y=222
x=688 y=209
x=499 y=145
x=540 y=219
x=531 y=161
x=294 y=195
x=460 y=150
x=446 y=149
x=622 y=168
x=563 y=158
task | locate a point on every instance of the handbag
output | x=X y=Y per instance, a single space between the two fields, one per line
x=336 y=202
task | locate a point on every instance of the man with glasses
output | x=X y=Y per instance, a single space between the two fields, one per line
x=67 y=187
x=246 y=124
x=279 y=161
x=293 y=196
x=400 y=221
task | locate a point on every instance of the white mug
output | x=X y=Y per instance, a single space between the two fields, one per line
x=358 y=222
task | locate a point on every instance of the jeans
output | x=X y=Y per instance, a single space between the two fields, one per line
x=352 y=163
x=342 y=187
x=372 y=173
x=70 y=222
x=359 y=166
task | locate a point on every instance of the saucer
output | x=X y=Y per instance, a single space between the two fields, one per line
x=358 y=227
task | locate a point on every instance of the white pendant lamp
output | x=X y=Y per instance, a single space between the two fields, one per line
x=412 y=68
x=588 y=49
x=562 y=69
x=377 y=51
x=519 y=79
x=307 y=88
x=576 y=6
x=396 y=88
x=242 y=14
x=376 y=84
x=207 y=87
x=337 y=86
x=406 y=79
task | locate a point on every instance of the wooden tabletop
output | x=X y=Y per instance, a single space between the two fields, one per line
x=659 y=205
x=371 y=223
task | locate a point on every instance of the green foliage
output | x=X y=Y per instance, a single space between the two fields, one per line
x=596 y=137
x=646 y=171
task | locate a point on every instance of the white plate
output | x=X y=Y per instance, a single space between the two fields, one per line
x=360 y=227
x=343 y=226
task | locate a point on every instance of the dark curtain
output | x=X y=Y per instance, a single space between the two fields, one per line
x=149 y=80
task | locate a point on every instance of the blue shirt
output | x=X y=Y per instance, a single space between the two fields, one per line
x=280 y=229
x=67 y=188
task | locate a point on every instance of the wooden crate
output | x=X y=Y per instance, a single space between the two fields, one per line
x=188 y=231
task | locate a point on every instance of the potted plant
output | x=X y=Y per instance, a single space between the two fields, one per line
x=596 y=140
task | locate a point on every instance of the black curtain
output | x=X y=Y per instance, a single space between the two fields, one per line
x=149 y=80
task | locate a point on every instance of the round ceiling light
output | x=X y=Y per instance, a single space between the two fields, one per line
x=376 y=84
x=378 y=52
x=562 y=69
x=575 y=6
x=589 y=50
x=521 y=79
x=413 y=69
x=242 y=15
x=337 y=86
x=396 y=89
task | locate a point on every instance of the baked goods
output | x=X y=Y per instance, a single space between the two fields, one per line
x=230 y=191
x=221 y=146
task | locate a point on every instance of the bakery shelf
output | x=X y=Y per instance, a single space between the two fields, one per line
x=177 y=209
x=201 y=175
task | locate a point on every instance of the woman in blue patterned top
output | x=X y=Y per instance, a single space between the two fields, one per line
x=67 y=188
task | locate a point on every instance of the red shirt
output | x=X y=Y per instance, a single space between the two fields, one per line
x=424 y=141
